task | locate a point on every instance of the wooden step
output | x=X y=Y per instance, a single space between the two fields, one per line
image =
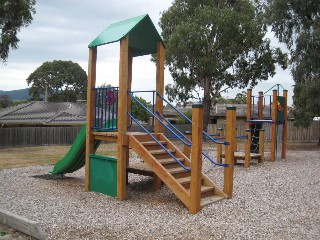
x=179 y=172
x=151 y=143
x=161 y=151
x=185 y=181
x=170 y=162
x=206 y=191
x=210 y=200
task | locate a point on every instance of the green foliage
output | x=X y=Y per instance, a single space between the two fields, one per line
x=59 y=81
x=17 y=102
x=182 y=120
x=5 y=101
x=241 y=98
x=213 y=44
x=297 y=24
x=13 y=15
x=138 y=111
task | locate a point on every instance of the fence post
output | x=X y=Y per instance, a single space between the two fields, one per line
x=229 y=158
x=219 y=146
x=196 y=158
x=247 y=157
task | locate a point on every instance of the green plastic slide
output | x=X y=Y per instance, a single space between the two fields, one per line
x=75 y=158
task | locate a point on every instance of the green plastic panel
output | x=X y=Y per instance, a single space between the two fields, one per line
x=103 y=175
x=143 y=36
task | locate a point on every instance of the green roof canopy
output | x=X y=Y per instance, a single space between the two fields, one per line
x=143 y=36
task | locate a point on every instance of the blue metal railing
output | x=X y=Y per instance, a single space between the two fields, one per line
x=159 y=143
x=106 y=108
x=157 y=118
x=190 y=143
x=183 y=115
x=177 y=130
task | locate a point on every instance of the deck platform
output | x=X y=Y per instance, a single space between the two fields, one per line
x=111 y=136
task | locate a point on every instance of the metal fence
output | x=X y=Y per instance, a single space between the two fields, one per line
x=37 y=136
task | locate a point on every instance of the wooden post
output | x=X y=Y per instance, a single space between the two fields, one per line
x=249 y=106
x=247 y=157
x=261 y=145
x=196 y=158
x=187 y=149
x=285 y=125
x=122 y=118
x=229 y=158
x=160 y=83
x=260 y=107
x=274 y=126
x=219 y=147
x=130 y=60
x=90 y=113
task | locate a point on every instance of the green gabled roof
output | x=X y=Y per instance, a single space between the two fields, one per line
x=143 y=36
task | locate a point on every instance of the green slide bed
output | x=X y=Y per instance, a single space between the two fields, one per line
x=75 y=158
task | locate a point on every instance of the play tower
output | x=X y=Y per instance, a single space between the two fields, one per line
x=109 y=117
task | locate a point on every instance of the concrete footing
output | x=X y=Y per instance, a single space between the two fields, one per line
x=21 y=224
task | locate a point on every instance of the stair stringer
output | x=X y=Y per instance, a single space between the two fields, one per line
x=160 y=171
x=207 y=180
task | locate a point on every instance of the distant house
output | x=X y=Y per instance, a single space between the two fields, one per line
x=218 y=113
x=43 y=114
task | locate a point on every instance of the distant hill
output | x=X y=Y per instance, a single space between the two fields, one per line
x=21 y=94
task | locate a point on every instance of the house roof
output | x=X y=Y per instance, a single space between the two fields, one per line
x=219 y=110
x=44 y=113
x=143 y=36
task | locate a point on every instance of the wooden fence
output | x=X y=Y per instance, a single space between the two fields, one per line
x=37 y=136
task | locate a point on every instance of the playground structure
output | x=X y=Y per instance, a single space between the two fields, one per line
x=255 y=134
x=277 y=117
x=109 y=118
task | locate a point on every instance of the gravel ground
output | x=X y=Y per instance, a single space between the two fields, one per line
x=276 y=200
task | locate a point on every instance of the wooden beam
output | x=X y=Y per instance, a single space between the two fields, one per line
x=247 y=158
x=260 y=106
x=249 y=106
x=160 y=83
x=285 y=125
x=196 y=158
x=219 y=147
x=90 y=112
x=274 y=126
x=229 y=159
x=122 y=118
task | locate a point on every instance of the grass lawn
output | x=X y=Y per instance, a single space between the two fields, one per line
x=43 y=155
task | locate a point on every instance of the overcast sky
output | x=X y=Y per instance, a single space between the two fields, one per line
x=62 y=30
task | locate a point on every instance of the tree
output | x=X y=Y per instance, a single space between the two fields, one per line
x=5 y=101
x=241 y=98
x=58 y=81
x=138 y=111
x=215 y=44
x=297 y=24
x=13 y=15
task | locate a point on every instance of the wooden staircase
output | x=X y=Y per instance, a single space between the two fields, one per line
x=171 y=172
